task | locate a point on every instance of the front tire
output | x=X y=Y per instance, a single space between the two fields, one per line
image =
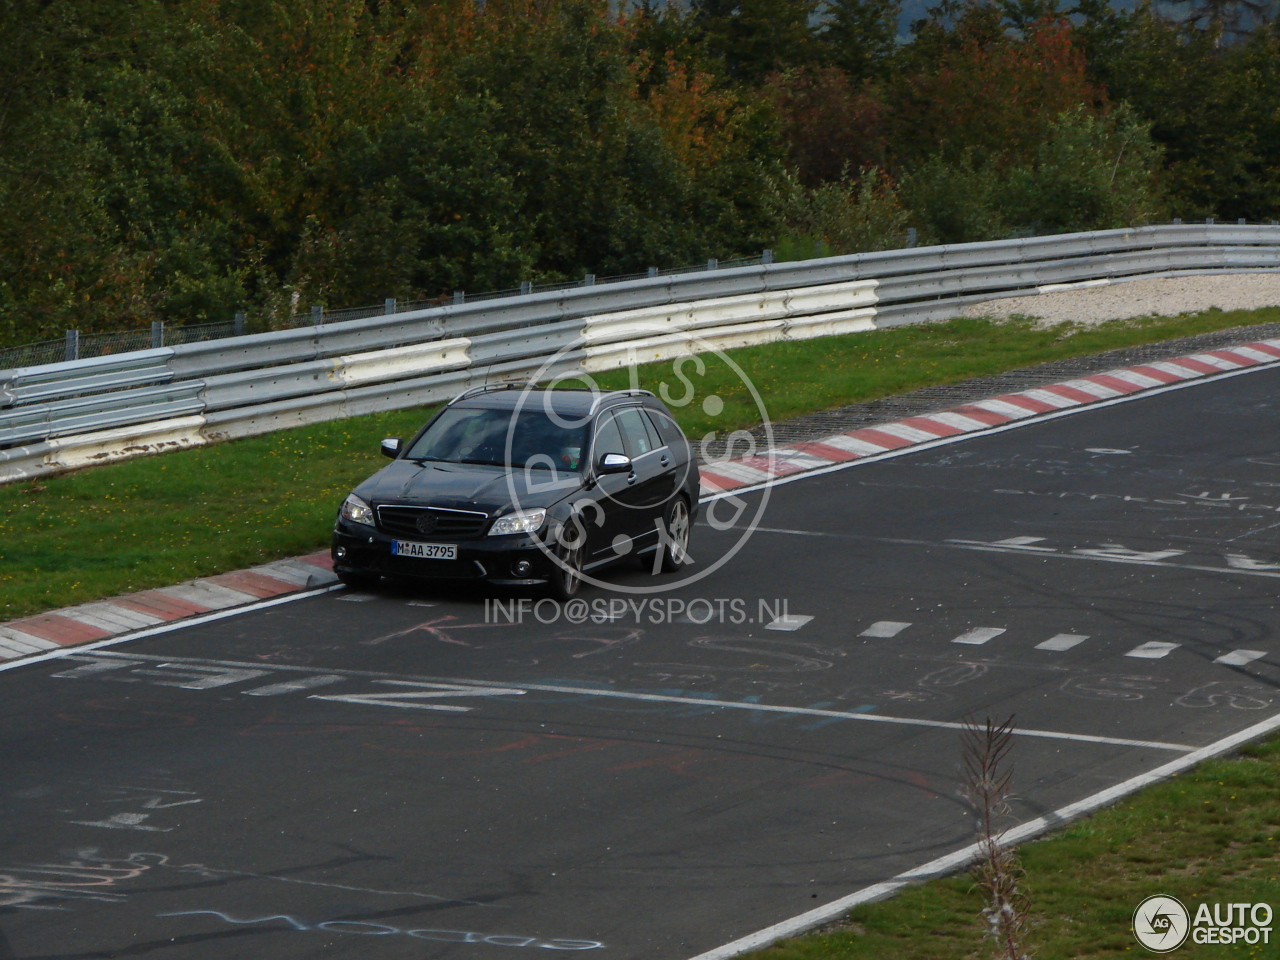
x=679 y=530
x=566 y=574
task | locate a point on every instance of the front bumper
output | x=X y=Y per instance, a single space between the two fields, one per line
x=365 y=550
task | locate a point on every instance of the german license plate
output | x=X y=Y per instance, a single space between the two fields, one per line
x=424 y=551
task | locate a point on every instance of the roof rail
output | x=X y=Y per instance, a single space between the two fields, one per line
x=619 y=393
x=486 y=388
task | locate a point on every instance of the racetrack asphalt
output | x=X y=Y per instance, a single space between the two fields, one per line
x=282 y=783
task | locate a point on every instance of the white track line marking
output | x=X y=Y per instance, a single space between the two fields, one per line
x=648 y=698
x=294 y=686
x=884 y=629
x=1238 y=658
x=1153 y=650
x=979 y=635
x=952 y=862
x=1063 y=641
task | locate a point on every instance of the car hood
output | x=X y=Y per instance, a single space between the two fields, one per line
x=465 y=486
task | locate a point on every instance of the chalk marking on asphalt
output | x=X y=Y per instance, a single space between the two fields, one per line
x=169 y=627
x=513 y=687
x=953 y=862
x=958 y=438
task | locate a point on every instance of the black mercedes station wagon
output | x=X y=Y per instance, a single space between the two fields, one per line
x=520 y=486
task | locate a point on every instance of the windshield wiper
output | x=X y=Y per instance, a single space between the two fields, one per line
x=486 y=463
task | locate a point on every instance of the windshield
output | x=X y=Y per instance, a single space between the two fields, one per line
x=461 y=435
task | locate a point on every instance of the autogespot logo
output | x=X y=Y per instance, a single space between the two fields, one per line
x=1161 y=924
x=688 y=385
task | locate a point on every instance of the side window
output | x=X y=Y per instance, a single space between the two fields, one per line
x=608 y=438
x=667 y=429
x=655 y=435
x=638 y=436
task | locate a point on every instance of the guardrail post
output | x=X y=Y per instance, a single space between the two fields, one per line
x=526 y=286
x=73 y=345
x=157 y=334
x=713 y=264
x=317 y=314
x=911 y=236
x=459 y=296
x=1208 y=219
x=237 y=325
x=389 y=305
x=653 y=271
x=589 y=280
x=1177 y=221
x=766 y=256
x=1240 y=222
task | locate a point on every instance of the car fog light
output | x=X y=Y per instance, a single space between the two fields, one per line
x=340 y=553
x=522 y=568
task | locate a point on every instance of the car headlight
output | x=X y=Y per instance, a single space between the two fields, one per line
x=527 y=521
x=356 y=510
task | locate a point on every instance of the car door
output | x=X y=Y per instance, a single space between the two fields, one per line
x=654 y=475
x=679 y=453
x=613 y=516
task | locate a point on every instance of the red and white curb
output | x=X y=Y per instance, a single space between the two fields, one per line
x=137 y=611
x=794 y=458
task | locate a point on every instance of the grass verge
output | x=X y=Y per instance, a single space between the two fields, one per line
x=1207 y=836
x=159 y=520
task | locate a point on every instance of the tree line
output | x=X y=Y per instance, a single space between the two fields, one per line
x=179 y=160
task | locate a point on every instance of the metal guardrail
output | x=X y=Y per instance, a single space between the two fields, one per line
x=62 y=415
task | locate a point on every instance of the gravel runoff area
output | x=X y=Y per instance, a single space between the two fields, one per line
x=1150 y=296
x=932 y=399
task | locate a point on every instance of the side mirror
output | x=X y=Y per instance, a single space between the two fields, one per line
x=391 y=447
x=614 y=463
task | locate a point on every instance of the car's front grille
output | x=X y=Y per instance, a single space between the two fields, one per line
x=431 y=522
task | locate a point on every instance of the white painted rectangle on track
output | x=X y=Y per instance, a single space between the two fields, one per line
x=1153 y=650
x=1238 y=658
x=884 y=629
x=1062 y=641
x=792 y=621
x=979 y=635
